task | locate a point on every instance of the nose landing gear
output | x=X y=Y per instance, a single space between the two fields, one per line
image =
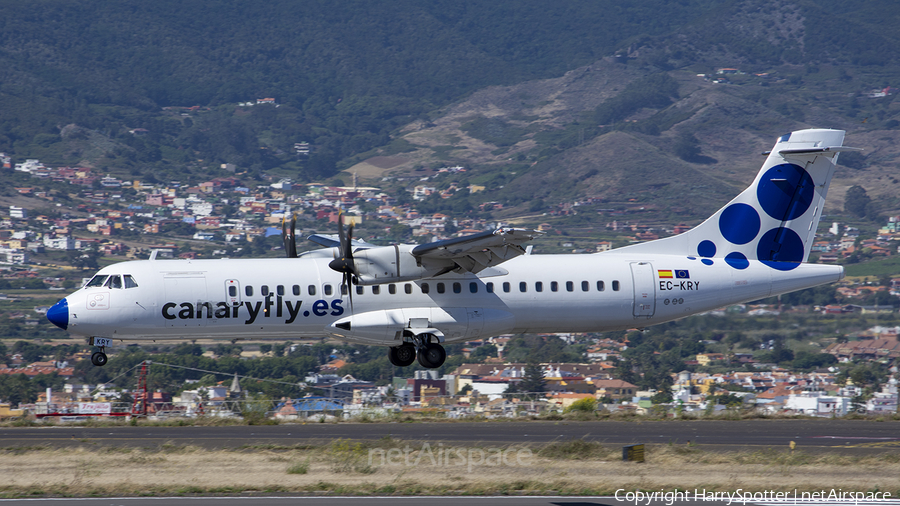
x=99 y=358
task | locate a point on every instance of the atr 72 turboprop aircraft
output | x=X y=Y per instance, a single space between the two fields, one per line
x=412 y=298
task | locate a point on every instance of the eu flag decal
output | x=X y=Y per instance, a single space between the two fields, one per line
x=682 y=274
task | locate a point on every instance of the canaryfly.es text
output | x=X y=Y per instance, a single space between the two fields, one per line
x=270 y=307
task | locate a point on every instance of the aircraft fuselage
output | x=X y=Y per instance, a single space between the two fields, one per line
x=294 y=298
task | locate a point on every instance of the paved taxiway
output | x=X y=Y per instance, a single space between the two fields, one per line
x=847 y=436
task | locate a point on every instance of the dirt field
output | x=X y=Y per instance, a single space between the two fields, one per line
x=398 y=467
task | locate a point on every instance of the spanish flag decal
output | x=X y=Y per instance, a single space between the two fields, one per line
x=665 y=274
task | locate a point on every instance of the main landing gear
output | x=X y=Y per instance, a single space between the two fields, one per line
x=430 y=354
x=99 y=357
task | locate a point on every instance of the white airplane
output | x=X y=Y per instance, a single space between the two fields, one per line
x=412 y=298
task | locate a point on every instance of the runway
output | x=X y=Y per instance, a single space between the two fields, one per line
x=845 y=436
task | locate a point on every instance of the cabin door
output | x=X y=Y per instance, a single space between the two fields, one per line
x=644 y=289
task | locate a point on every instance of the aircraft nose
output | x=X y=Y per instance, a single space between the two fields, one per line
x=59 y=314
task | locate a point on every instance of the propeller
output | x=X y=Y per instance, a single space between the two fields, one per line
x=288 y=238
x=344 y=262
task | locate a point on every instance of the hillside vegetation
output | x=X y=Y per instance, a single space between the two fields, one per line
x=524 y=94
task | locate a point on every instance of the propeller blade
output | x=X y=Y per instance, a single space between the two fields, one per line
x=348 y=278
x=293 y=235
x=344 y=263
x=287 y=237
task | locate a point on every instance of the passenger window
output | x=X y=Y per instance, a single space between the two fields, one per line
x=311 y=289
x=296 y=289
x=96 y=281
x=457 y=288
x=506 y=287
x=264 y=290
x=585 y=286
x=554 y=286
x=327 y=289
x=440 y=288
x=359 y=290
x=376 y=290
x=425 y=288
x=130 y=282
x=248 y=291
x=600 y=286
x=392 y=289
x=615 y=286
x=232 y=291
x=473 y=287
x=523 y=286
x=279 y=290
x=407 y=288
x=489 y=287
x=538 y=286
x=570 y=286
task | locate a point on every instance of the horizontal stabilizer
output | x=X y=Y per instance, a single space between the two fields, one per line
x=827 y=149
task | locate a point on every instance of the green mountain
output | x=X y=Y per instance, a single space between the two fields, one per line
x=515 y=90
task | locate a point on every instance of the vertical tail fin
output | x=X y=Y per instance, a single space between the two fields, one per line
x=775 y=219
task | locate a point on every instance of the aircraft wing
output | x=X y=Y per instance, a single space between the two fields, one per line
x=475 y=252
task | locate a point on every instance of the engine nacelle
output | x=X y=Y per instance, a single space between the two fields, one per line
x=393 y=264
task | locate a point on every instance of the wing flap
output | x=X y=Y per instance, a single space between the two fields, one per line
x=475 y=252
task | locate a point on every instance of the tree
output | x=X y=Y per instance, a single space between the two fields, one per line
x=857 y=201
x=533 y=381
x=853 y=160
x=662 y=396
x=83 y=259
x=687 y=147
x=586 y=405
x=483 y=352
x=188 y=349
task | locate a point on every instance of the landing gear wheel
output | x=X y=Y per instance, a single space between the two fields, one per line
x=431 y=355
x=403 y=355
x=99 y=358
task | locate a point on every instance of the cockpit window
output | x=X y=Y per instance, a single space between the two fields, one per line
x=97 y=280
x=115 y=281
x=130 y=282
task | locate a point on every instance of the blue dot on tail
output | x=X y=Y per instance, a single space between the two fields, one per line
x=739 y=223
x=737 y=260
x=780 y=248
x=707 y=261
x=706 y=249
x=785 y=191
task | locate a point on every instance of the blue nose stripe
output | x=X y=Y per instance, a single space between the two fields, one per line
x=59 y=314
